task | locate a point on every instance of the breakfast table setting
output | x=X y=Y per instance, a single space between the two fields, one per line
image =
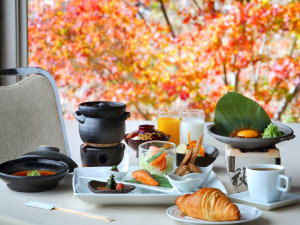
x=240 y=168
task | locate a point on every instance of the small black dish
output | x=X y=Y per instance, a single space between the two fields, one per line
x=253 y=143
x=32 y=184
x=47 y=152
x=211 y=153
x=93 y=184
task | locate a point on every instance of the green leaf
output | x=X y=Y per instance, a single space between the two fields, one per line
x=234 y=111
x=163 y=182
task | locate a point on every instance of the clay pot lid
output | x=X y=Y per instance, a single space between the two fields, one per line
x=102 y=109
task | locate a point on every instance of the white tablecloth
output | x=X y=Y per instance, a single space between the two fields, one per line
x=12 y=210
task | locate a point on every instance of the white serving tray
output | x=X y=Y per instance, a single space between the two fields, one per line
x=139 y=196
x=285 y=200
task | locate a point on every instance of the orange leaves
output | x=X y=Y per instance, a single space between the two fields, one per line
x=99 y=49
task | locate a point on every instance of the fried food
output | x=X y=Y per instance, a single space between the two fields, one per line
x=181 y=170
x=186 y=172
x=187 y=157
x=187 y=164
x=196 y=150
x=193 y=168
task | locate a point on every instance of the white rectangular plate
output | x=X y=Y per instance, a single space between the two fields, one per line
x=285 y=200
x=139 y=196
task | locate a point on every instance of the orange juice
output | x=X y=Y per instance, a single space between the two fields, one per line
x=171 y=126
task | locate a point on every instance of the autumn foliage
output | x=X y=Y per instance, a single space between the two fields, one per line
x=153 y=53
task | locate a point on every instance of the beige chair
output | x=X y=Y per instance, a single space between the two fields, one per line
x=30 y=114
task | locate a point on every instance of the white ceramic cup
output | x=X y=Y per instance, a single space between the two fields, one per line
x=266 y=185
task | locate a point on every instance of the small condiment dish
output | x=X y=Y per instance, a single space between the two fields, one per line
x=122 y=167
x=190 y=182
x=94 y=187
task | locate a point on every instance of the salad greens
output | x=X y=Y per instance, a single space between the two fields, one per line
x=272 y=131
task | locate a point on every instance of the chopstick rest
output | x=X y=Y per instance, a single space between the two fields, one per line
x=50 y=206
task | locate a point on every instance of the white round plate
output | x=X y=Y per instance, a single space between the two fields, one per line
x=248 y=213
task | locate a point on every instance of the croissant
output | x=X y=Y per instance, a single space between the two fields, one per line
x=208 y=204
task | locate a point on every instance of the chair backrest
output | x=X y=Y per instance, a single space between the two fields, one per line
x=30 y=114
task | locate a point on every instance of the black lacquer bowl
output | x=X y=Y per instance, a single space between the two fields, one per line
x=253 y=143
x=32 y=184
x=211 y=153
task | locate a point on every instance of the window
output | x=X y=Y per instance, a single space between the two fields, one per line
x=155 y=53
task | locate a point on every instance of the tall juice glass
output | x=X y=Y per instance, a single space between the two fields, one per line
x=192 y=124
x=168 y=121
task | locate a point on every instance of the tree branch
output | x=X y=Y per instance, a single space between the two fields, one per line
x=292 y=93
x=225 y=73
x=197 y=5
x=236 y=75
x=144 y=115
x=260 y=53
x=140 y=14
x=293 y=46
x=163 y=8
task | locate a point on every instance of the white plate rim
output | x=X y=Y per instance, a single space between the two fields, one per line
x=198 y=221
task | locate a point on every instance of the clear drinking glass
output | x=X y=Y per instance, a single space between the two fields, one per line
x=192 y=123
x=157 y=157
x=168 y=121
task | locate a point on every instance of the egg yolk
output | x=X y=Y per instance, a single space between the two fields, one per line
x=247 y=134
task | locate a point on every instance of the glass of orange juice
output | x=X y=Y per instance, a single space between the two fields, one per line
x=168 y=121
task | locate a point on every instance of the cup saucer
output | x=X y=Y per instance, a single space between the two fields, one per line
x=286 y=199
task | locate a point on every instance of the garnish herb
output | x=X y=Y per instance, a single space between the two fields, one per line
x=114 y=168
x=111 y=183
x=272 y=131
x=33 y=173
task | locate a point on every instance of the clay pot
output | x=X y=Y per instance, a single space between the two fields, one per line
x=102 y=122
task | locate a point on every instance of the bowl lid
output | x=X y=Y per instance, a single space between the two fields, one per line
x=52 y=153
x=147 y=132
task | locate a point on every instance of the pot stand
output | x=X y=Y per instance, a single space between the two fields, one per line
x=92 y=156
x=238 y=159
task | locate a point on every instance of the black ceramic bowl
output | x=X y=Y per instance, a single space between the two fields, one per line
x=32 y=184
x=252 y=143
x=211 y=153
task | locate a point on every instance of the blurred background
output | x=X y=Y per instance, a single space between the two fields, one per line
x=161 y=53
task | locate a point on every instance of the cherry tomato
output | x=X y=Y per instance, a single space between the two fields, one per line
x=120 y=186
